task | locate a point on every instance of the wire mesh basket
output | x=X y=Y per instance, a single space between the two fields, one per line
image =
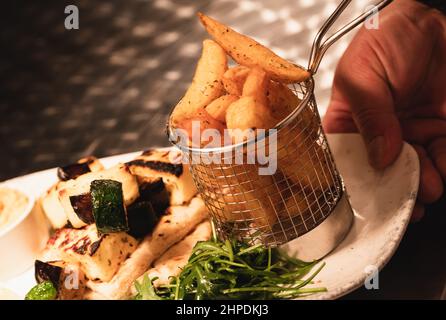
x=300 y=195
x=272 y=209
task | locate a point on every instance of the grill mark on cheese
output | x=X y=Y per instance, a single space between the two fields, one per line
x=175 y=169
x=95 y=246
x=147 y=152
x=81 y=246
x=150 y=152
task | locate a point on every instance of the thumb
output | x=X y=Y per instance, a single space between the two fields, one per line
x=360 y=89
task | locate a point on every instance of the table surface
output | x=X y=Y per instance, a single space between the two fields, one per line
x=107 y=88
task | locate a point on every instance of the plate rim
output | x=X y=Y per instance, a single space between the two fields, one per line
x=331 y=294
x=387 y=254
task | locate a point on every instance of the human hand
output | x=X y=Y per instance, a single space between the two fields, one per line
x=390 y=85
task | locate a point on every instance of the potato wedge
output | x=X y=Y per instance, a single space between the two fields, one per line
x=298 y=138
x=250 y=53
x=245 y=196
x=302 y=159
x=205 y=121
x=246 y=113
x=255 y=86
x=309 y=167
x=206 y=85
x=281 y=100
x=217 y=108
x=251 y=110
x=234 y=78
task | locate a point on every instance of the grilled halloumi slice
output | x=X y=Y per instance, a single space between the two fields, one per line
x=99 y=256
x=176 y=176
x=174 y=259
x=50 y=202
x=52 y=207
x=81 y=185
x=174 y=226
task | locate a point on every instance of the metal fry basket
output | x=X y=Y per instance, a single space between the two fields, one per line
x=302 y=206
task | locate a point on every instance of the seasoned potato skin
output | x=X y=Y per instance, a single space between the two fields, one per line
x=234 y=79
x=206 y=85
x=217 y=108
x=250 y=53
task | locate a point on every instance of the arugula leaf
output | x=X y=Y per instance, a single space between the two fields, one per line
x=145 y=289
x=233 y=270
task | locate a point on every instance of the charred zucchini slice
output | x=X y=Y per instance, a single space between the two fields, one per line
x=108 y=206
x=82 y=206
x=45 y=271
x=142 y=219
x=67 y=279
x=81 y=185
x=82 y=166
x=72 y=171
x=155 y=192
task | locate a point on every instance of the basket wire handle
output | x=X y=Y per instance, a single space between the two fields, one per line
x=318 y=50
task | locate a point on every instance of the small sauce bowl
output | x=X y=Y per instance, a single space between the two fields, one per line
x=23 y=238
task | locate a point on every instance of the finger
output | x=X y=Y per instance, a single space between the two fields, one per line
x=431 y=185
x=437 y=152
x=426 y=111
x=367 y=94
x=422 y=131
x=338 y=119
x=417 y=213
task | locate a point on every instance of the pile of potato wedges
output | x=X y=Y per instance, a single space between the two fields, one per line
x=254 y=94
x=251 y=95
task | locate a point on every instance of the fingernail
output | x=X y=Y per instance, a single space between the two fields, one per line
x=376 y=150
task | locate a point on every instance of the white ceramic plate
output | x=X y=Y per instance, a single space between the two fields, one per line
x=382 y=202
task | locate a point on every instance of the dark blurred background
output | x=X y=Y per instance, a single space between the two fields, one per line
x=107 y=88
x=103 y=89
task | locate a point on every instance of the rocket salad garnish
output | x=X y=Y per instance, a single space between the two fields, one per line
x=233 y=270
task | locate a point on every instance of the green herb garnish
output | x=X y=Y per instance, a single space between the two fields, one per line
x=233 y=270
x=42 y=291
